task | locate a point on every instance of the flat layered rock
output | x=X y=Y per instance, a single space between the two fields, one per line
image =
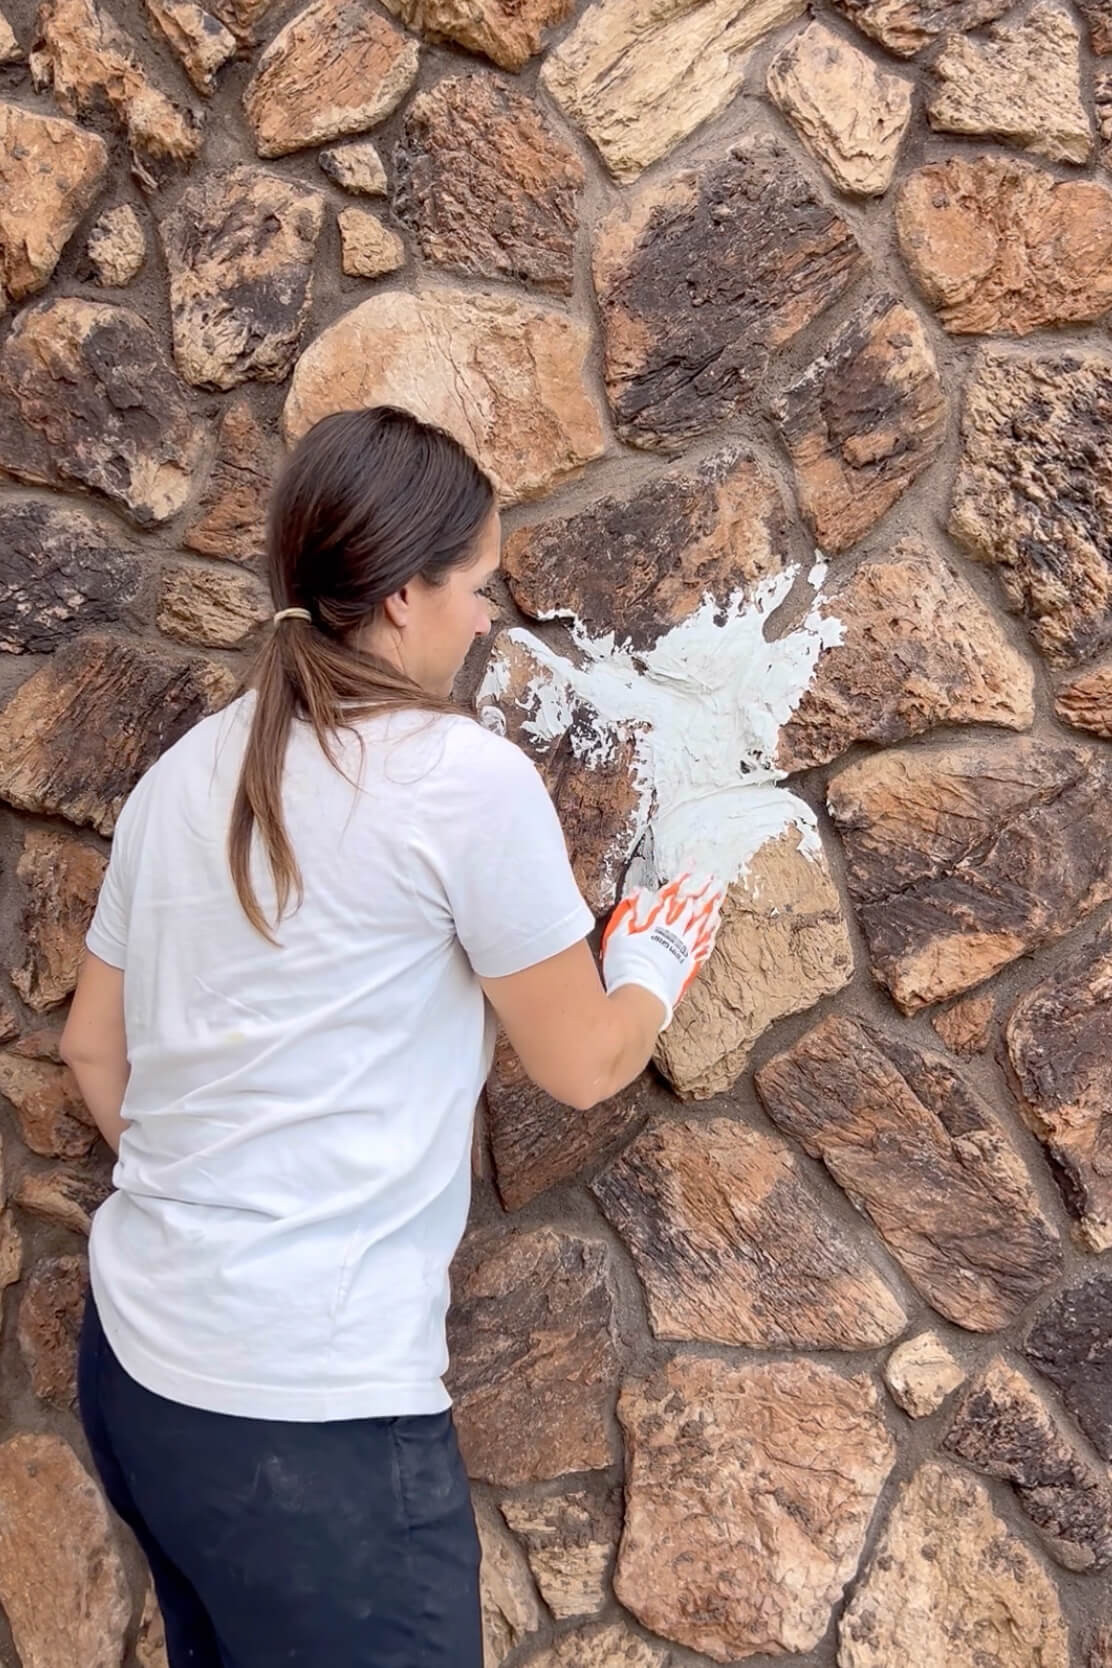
x=50 y=174
x=199 y=39
x=50 y=1314
x=230 y=517
x=61 y=880
x=51 y=1116
x=925 y=1159
x=1086 y=701
x=218 y=610
x=67 y=1195
x=117 y=247
x=905 y=27
x=60 y=573
x=1071 y=1345
x=921 y=1373
x=850 y=114
x=570 y=1540
x=509 y=32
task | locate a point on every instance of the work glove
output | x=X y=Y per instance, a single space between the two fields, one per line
x=659 y=937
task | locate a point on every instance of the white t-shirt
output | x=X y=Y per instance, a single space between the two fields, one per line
x=295 y=1173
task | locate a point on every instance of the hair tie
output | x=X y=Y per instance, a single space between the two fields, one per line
x=292 y=614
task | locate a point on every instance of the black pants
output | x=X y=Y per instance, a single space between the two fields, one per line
x=343 y=1544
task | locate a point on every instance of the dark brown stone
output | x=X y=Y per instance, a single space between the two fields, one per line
x=49 y=1325
x=52 y=1117
x=61 y=877
x=242 y=17
x=700 y=276
x=67 y=1194
x=906 y=26
x=59 y=574
x=1071 y=1343
x=925 y=1159
x=1098 y=21
x=231 y=513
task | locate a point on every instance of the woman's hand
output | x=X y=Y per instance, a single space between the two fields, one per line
x=659 y=938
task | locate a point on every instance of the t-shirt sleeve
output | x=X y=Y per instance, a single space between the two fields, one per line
x=107 y=934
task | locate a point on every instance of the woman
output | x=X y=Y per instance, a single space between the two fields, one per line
x=318 y=904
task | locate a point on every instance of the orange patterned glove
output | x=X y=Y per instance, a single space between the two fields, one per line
x=660 y=938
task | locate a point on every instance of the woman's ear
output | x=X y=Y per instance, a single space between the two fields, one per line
x=396 y=607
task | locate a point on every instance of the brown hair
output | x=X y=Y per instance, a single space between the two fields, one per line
x=367 y=502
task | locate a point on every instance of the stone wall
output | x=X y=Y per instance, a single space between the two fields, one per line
x=803 y=1345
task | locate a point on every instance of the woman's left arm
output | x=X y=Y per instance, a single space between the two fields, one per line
x=94 y=1045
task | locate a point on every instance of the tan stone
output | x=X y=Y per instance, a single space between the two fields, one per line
x=336 y=68
x=217 y=609
x=368 y=249
x=61 y=879
x=199 y=39
x=918 y=1151
x=117 y=246
x=62 y=1584
x=509 y=1600
x=356 y=167
x=50 y=172
x=150 y=1646
x=60 y=574
x=570 y=1541
x=906 y=26
x=612 y=1645
x=10 y=50
x=749 y=1492
x=1021 y=85
x=66 y=1194
x=921 y=1373
x=1071 y=1344
x=230 y=518
x=966 y=1026
x=505 y=376
x=11 y=1253
x=52 y=1117
x=50 y=1314
x=951 y=1586
x=509 y=32
x=850 y=114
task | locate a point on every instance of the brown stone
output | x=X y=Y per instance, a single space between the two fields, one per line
x=336 y=68
x=534 y=1358
x=42 y=1044
x=1086 y=701
x=62 y=1583
x=921 y=1373
x=906 y=26
x=509 y=1601
x=850 y=114
x=1100 y=1646
x=734 y=1247
x=199 y=39
x=50 y=172
x=368 y=249
x=966 y=1026
x=150 y=1646
x=1071 y=1344
x=66 y=1194
x=240 y=248
x=49 y=1325
x=206 y=605
x=76 y=737
x=508 y=32
x=61 y=877
x=487 y=183
x=610 y=1645
x=231 y=512
x=924 y=1158
x=10 y=50
x=950 y=1583
x=963 y=859
x=9 y=1022
x=242 y=17
x=356 y=167
x=1021 y=85
x=1098 y=20
x=918 y=649
x=53 y=1119
x=686 y=343
x=749 y=1492
x=863 y=421
x=60 y=573
x=570 y=1540
x=997 y=245
x=505 y=376
x=117 y=246
x=1002 y=1428
x=87 y=400
x=11 y=1254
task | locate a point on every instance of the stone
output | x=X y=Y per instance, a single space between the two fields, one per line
x=11 y=1253
x=921 y=1373
x=749 y=1491
x=509 y=32
x=686 y=343
x=336 y=68
x=1003 y=1428
x=60 y=573
x=905 y=27
x=733 y=1246
x=242 y=17
x=961 y=860
x=950 y=1583
x=199 y=39
x=356 y=167
x=50 y=173
x=61 y=878
x=922 y=1156
x=488 y=185
x=10 y=50
x=863 y=421
x=117 y=247
x=508 y=1597
x=536 y=1141
x=217 y=609
x=1086 y=701
x=62 y=1582
x=92 y=63
x=638 y=78
x=1071 y=1344
x=997 y=245
x=918 y=649
x=88 y=401
x=850 y=114
x=506 y=376
x=53 y=1119
x=534 y=1355
x=966 y=1026
x=368 y=249
x=150 y=1646
x=570 y=1540
x=1100 y=1646
x=66 y=1194
x=77 y=736
x=9 y=1023
x=230 y=517
x=1021 y=85
x=49 y=1326
x=240 y=249
x=1098 y=21
x=611 y=1645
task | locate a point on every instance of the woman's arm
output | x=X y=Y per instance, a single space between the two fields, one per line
x=94 y=1045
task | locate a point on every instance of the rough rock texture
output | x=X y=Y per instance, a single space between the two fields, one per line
x=850 y=114
x=62 y=1584
x=1098 y=20
x=368 y=249
x=217 y=609
x=739 y=1538
x=242 y=17
x=10 y=50
x=998 y=245
x=336 y=68
x=921 y=1373
x=356 y=167
x=11 y=1254
x=962 y=859
x=230 y=514
x=506 y=377
x=1021 y=85
x=49 y=1324
x=1071 y=1344
x=60 y=573
x=150 y=1645
x=509 y=1600
x=612 y=1645
x=1086 y=701
x=88 y=400
x=700 y=276
x=966 y=1026
x=639 y=77
x=906 y=26
x=76 y=737
x=199 y=39
x=734 y=1246
x=66 y=1194
x=570 y=1540
x=918 y=649
x=61 y=878
x=50 y=173
x=534 y=1360
x=950 y=1583
x=240 y=249
x=924 y=1158
x=50 y=1113
x=488 y=185
x=863 y=421
x=508 y=32
x=117 y=247
x=1100 y=1647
